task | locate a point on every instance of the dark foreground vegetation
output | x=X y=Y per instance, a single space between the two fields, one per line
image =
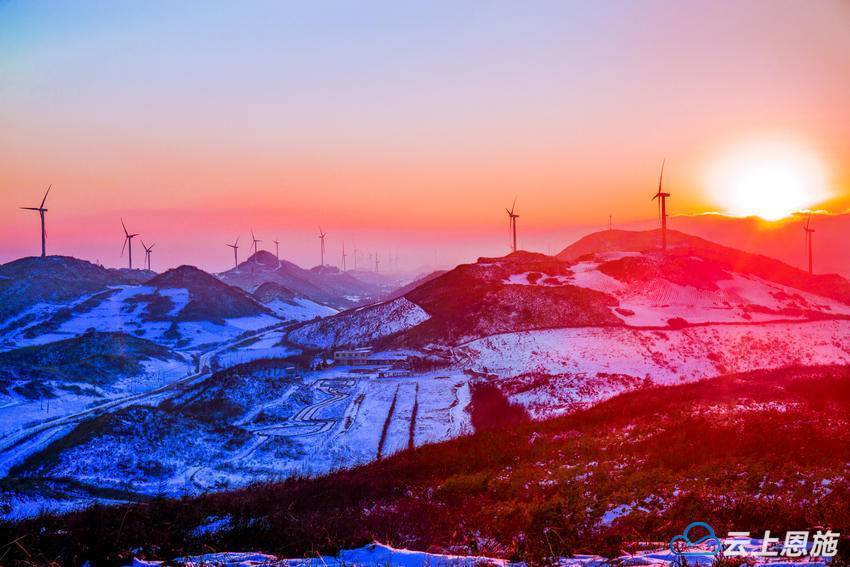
x=764 y=450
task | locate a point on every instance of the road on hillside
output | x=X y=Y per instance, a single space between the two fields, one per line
x=21 y=442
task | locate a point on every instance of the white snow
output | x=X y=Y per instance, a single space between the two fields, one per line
x=361 y=326
x=380 y=555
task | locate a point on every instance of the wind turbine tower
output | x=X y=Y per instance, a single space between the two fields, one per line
x=235 y=247
x=662 y=207
x=277 y=249
x=148 y=253
x=322 y=236
x=41 y=210
x=128 y=243
x=343 y=255
x=809 y=232
x=512 y=217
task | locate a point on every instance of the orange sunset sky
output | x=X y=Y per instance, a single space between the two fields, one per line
x=407 y=128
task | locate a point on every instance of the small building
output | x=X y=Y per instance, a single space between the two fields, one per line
x=365 y=357
x=352 y=357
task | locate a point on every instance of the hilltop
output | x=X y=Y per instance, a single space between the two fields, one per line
x=209 y=298
x=731 y=259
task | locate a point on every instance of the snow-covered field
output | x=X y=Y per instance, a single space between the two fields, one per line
x=292 y=425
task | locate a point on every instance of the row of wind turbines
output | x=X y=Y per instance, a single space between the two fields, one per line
x=374 y=261
x=660 y=195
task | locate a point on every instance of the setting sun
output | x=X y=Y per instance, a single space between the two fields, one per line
x=768 y=180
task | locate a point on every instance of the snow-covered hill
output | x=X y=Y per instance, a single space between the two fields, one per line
x=290 y=305
x=182 y=308
x=593 y=284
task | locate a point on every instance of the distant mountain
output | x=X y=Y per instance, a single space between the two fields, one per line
x=607 y=279
x=326 y=285
x=209 y=298
x=53 y=280
x=783 y=240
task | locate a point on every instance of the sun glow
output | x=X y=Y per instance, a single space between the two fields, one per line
x=768 y=180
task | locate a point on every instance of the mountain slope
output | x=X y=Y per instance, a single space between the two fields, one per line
x=766 y=450
x=288 y=304
x=209 y=298
x=53 y=280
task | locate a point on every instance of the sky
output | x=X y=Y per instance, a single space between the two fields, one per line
x=406 y=128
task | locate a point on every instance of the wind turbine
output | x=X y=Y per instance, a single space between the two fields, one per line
x=254 y=246
x=344 y=255
x=355 y=258
x=662 y=207
x=322 y=236
x=235 y=247
x=377 y=262
x=513 y=217
x=128 y=243
x=809 y=232
x=41 y=210
x=148 y=253
x=277 y=249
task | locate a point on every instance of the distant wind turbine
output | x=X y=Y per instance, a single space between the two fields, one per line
x=254 y=246
x=277 y=249
x=809 y=232
x=235 y=247
x=128 y=243
x=148 y=253
x=344 y=255
x=662 y=207
x=41 y=210
x=355 y=258
x=322 y=236
x=513 y=217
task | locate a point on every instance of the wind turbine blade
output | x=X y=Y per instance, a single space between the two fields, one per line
x=124 y=246
x=45 y=195
x=661 y=176
x=513 y=206
x=125 y=228
x=145 y=246
x=30 y=208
